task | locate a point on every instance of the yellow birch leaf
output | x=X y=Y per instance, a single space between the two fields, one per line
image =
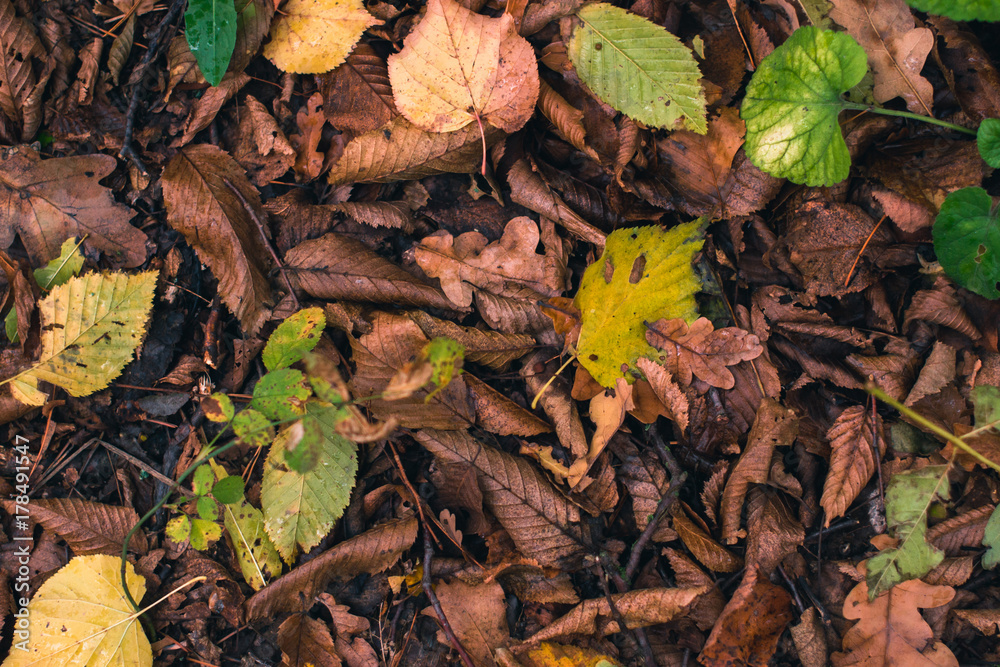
x=457 y=65
x=81 y=617
x=315 y=36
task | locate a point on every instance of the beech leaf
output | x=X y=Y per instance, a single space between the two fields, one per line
x=852 y=458
x=638 y=68
x=457 y=66
x=792 y=103
x=315 y=36
x=967 y=241
x=87 y=527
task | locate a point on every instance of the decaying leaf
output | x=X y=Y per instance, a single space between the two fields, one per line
x=700 y=350
x=357 y=96
x=18 y=99
x=477 y=616
x=314 y=36
x=853 y=436
x=306 y=642
x=87 y=527
x=709 y=553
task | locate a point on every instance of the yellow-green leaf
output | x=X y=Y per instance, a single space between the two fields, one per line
x=314 y=36
x=81 y=617
x=644 y=274
x=91 y=326
x=293 y=338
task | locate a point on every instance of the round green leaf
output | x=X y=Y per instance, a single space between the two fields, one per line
x=293 y=338
x=792 y=103
x=960 y=10
x=207 y=508
x=988 y=140
x=228 y=490
x=179 y=528
x=967 y=241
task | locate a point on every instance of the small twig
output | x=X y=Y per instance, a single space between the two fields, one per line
x=823 y=613
x=638 y=633
x=140 y=464
x=795 y=591
x=661 y=511
x=127 y=151
x=429 y=591
x=409 y=487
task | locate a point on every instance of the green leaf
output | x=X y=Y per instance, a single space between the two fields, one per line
x=218 y=408
x=201 y=482
x=229 y=489
x=644 y=274
x=62 y=268
x=179 y=528
x=300 y=508
x=960 y=10
x=208 y=508
x=967 y=241
x=638 y=68
x=907 y=502
x=259 y=560
x=988 y=140
x=253 y=428
x=792 y=103
x=986 y=401
x=91 y=326
x=210 y=28
x=294 y=338
x=281 y=394
x=204 y=533
x=445 y=357
x=991 y=539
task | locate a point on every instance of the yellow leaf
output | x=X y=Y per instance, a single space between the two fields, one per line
x=91 y=326
x=81 y=617
x=315 y=36
x=457 y=65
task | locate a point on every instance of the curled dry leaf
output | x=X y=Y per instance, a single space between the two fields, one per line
x=261 y=147
x=468 y=261
x=667 y=391
x=340 y=267
x=498 y=414
x=457 y=67
x=707 y=607
x=543 y=524
x=709 y=553
x=357 y=95
x=646 y=480
x=211 y=202
x=774 y=531
x=938 y=371
x=852 y=458
x=310 y=121
x=372 y=551
x=607 y=411
x=567 y=119
x=18 y=98
x=941 y=306
x=702 y=351
x=557 y=402
x=49 y=201
x=639 y=609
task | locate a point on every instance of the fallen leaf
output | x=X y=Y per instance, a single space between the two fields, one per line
x=567 y=119
x=49 y=201
x=314 y=36
x=667 y=391
x=700 y=351
x=489 y=348
x=457 y=67
x=87 y=527
x=960 y=532
x=938 y=371
x=477 y=614
x=774 y=530
x=310 y=121
x=18 y=98
x=852 y=458
x=810 y=639
x=550 y=654
x=709 y=553
x=646 y=480
x=260 y=146
x=357 y=96
x=498 y=414
x=306 y=642
x=556 y=402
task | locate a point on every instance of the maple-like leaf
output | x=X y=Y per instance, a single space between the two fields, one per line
x=852 y=458
x=896 y=49
x=314 y=36
x=457 y=66
x=49 y=201
x=211 y=202
x=700 y=350
x=890 y=629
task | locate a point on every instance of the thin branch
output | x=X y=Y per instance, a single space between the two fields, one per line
x=429 y=591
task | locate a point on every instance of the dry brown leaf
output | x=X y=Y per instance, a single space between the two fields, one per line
x=394 y=214
x=707 y=607
x=986 y=621
x=750 y=626
x=702 y=351
x=357 y=96
x=394 y=340
x=498 y=414
x=340 y=267
x=749 y=189
x=697 y=166
x=639 y=609
x=306 y=642
x=87 y=527
x=468 y=261
x=774 y=531
x=965 y=530
x=252 y=25
x=975 y=80
x=951 y=572
x=938 y=370
x=519 y=313
x=709 y=553
x=49 y=201
x=529 y=190
x=890 y=631
x=908 y=215
x=646 y=480
x=711 y=492
x=182 y=65
x=211 y=202
x=372 y=551
x=401 y=151
x=941 y=306
x=925 y=170
x=457 y=67
x=774 y=426
x=556 y=401
x=207 y=107
x=260 y=146
x=896 y=49
x=477 y=614
x=852 y=458
x=21 y=49
x=544 y=525
x=810 y=639
x=488 y=348
x=567 y=119
x=667 y=391
x=310 y=121
x=607 y=410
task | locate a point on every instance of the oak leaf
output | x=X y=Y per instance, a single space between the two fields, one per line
x=49 y=201
x=700 y=350
x=457 y=67
x=314 y=36
x=852 y=458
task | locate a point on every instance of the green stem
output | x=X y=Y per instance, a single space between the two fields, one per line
x=931 y=426
x=912 y=116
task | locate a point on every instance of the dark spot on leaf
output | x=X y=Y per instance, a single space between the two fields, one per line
x=638 y=266
x=609 y=271
x=593 y=357
x=598 y=46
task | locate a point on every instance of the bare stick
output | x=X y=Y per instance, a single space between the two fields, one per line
x=429 y=590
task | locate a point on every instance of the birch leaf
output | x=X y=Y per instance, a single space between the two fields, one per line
x=315 y=36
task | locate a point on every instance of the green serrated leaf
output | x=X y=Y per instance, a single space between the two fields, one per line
x=201 y=481
x=210 y=28
x=253 y=428
x=294 y=338
x=445 y=357
x=62 y=268
x=204 y=533
x=986 y=402
x=281 y=394
x=638 y=68
x=644 y=274
x=302 y=446
x=967 y=241
x=960 y=10
x=91 y=326
x=991 y=539
x=207 y=508
x=229 y=489
x=792 y=103
x=988 y=141
x=300 y=508
x=907 y=503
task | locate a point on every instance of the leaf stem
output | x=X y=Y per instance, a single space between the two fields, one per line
x=912 y=116
x=931 y=426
